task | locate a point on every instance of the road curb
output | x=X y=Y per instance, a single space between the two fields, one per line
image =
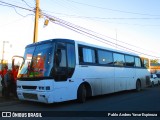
x=8 y=102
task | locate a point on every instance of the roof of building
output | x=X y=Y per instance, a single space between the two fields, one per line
x=155 y=64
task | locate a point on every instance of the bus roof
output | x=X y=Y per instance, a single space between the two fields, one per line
x=106 y=48
x=79 y=42
x=51 y=41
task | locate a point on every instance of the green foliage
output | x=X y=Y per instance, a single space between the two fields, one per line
x=154 y=60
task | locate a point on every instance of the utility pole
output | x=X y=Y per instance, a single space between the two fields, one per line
x=3 y=51
x=37 y=14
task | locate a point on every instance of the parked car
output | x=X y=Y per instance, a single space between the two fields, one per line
x=154 y=80
x=158 y=75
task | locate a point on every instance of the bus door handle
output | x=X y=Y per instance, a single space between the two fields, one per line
x=71 y=81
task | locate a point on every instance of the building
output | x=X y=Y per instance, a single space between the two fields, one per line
x=154 y=67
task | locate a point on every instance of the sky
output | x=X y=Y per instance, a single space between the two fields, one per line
x=134 y=24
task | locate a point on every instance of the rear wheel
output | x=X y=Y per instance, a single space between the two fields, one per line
x=158 y=83
x=138 y=86
x=82 y=94
x=152 y=84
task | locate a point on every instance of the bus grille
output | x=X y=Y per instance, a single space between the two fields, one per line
x=30 y=96
x=29 y=87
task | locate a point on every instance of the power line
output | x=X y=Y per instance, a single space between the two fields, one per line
x=108 y=18
x=12 y=5
x=104 y=19
x=128 y=12
x=77 y=29
x=27 y=3
x=120 y=41
x=85 y=32
x=17 y=12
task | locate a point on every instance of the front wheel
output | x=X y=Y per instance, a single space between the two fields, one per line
x=82 y=94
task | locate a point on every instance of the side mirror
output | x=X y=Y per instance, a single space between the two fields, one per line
x=17 y=60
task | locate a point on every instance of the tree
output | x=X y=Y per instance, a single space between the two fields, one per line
x=154 y=60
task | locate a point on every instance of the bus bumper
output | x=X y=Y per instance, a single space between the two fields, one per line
x=44 y=97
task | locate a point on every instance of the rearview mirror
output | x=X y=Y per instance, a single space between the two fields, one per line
x=17 y=61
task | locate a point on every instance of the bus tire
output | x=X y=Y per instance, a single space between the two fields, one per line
x=152 y=84
x=82 y=94
x=138 y=86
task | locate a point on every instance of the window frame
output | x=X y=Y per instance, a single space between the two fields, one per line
x=107 y=64
x=81 y=56
x=97 y=63
x=140 y=62
x=126 y=55
x=114 y=53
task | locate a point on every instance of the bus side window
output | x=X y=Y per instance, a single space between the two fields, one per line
x=89 y=55
x=105 y=57
x=118 y=59
x=80 y=55
x=138 y=62
x=129 y=61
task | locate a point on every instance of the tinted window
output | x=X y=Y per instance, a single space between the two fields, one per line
x=129 y=60
x=63 y=58
x=158 y=75
x=118 y=59
x=105 y=57
x=88 y=55
x=61 y=50
x=71 y=58
x=60 y=67
x=137 y=62
x=71 y=55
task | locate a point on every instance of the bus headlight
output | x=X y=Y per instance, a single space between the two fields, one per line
x=41 y=87
x=18 y=87
x=48 y=88
x=44 y=87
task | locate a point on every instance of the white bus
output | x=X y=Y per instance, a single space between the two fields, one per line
x=61 y=70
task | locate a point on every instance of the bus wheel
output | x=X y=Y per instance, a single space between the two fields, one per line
x=82 y=94
x=152 y=84
x=138 y=86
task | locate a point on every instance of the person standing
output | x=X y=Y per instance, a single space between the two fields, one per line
x=3 y=73
x=14 y=82
x=8 y=78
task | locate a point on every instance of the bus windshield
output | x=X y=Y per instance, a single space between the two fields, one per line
x=38 y=61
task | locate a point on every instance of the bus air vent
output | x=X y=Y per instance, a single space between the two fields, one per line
x=29 y=87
